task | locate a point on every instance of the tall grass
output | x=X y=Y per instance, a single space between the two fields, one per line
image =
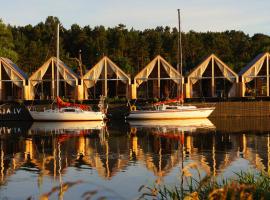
x=244 y=186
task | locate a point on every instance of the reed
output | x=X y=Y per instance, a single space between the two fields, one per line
x=245 y=186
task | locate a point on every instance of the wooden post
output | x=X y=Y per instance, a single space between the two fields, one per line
x=53 y=83
x=268 y=153
x=80 y=92
x=116 y=88
x=133 y=90
x=23 y=91
x=12 y=90
x=212 y=78
x=187 y=90
x=127 y=91
x=267 y=74
x=243 y=84
x=42 y=88
x=94 y=91
x=59 y=85
x=77 y=93
x=158 y=78
x=105 y=77
x=147 y=88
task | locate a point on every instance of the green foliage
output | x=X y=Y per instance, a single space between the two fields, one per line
x=6 y=43
x=125 y=64
x=116 y=99
x=30 y=46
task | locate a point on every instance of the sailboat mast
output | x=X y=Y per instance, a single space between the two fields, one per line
x=57 y=62
x=180 y=60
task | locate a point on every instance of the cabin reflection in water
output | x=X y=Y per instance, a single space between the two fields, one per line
x=49 y=150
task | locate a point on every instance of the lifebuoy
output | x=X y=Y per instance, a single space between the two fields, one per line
x=133 y=108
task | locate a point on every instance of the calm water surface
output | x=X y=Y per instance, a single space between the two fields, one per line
x=113 y=160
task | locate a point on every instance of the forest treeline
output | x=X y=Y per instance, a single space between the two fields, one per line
x=30 y=46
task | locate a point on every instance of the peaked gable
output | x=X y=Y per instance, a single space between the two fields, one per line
x=147 y=70
x=198 y=71
x=95 y=72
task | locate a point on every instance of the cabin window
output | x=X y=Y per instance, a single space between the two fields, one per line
x=171 y=108
x=69 y=110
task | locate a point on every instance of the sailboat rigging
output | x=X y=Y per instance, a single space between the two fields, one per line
x=162 y=110
x=66 y=111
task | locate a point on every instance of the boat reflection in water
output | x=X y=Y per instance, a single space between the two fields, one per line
x=36 y=158
x=190 y=125
x=57 y=127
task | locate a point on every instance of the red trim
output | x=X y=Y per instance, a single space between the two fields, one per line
x=61 y=104
x=169 y=135
x=177 y=100
x=65 y=136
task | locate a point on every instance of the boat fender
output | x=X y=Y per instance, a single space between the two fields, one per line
x=133 y=108
x=133 y=130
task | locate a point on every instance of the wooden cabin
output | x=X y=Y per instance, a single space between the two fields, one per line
x=255 y=77
x=13 y=81
x=158 y=79
x=106 y=79
x=212 y=78
x=43 y=82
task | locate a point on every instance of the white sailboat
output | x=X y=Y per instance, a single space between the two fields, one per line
x=70 y=113
x=166 y=111
x=172 y=112
x=67 y=114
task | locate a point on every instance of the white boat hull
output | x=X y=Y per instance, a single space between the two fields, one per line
x=65 y=116
x=193 y=113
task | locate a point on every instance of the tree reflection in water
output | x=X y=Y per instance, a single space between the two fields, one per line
x=66 y=156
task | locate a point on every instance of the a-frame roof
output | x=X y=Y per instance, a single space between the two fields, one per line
x=15 y=69
x=95 y=72
x=258 y=60
x=39 y=73
x=200 y=69
x=147 y=70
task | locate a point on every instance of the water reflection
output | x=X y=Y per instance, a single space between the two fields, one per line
x=51 y=153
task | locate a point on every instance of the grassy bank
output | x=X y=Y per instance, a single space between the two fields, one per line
x=244 y=186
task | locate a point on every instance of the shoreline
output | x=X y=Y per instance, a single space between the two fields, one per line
x=118 y=110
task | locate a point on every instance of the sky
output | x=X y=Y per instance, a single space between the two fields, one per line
x=250 y=16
